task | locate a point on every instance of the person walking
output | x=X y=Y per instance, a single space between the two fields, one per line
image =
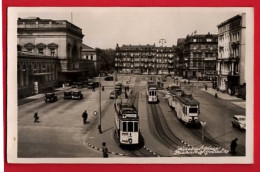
x=104 y=150
x=36 y=117
x=85 y=117
x=93 y=88
x=233 y=146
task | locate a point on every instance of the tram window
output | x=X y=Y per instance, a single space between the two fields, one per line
x=130 y=127
x=184 y=109
x=193 y=110
x=135 y=126
x=124 y=126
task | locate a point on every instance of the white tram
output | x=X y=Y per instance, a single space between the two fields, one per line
x=174 y=91
x=127 y=124
x=151 y=92
x=187 y=109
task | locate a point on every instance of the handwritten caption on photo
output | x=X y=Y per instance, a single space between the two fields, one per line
x=203 y=150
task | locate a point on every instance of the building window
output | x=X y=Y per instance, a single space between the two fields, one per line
x=29 y=50
x=40 y=50
x=194 y=40
x=209 y=40
x=52 y=52
x=91 y=57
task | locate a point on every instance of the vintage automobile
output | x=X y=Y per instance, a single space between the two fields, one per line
x=77 y=95
x=76 y=84
x=50 y=97
x=108 y=78
x=239 y=121
x=84 y=83
x=113 y=95
x=93 y=84
x=67 y=95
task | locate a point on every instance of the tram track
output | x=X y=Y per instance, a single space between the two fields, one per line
x=162 y=129
x=208 y=139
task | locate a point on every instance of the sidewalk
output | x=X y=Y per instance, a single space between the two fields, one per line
x=235 y=100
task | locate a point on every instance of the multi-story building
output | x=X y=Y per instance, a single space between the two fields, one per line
x=49 y=52
x=198 y=59
x=144 y=59
x=180 y=65
x=231 y=55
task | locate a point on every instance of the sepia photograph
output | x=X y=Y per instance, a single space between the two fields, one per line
x=140 y=85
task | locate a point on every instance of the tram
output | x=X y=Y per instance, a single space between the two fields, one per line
x=151 y=92
x=174 y=90
x=187 y=109
x=127 y=124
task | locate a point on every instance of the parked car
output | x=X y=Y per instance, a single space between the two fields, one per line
x=239 y=121
x=67 y=95
x=114 y=94
x=76 y=84
x=77 y=95
x=84 y=83
x=109 y=78
x=91 y=84
x=50 y=97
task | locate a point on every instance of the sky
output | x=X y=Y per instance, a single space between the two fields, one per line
x=107 y=26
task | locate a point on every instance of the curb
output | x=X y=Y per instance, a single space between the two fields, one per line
x=99 y=149
x=186 y=144
x=151 y=151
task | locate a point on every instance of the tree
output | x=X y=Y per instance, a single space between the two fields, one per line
x=106 y=58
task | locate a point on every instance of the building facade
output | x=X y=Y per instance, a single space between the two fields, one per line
x=198 y=54
x=49 y=52
x=231 y=55
x=90 y=54
x=144 y=59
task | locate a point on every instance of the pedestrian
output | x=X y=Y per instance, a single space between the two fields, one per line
x=233 y=146
x=36 y=117
x=105 y=150
x=93 y=88
x=85 y=117
x=206 y=86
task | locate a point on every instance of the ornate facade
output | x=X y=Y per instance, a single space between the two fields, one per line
x=49 y=53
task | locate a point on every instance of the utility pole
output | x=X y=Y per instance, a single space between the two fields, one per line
x=99 y=126
x=162 y=40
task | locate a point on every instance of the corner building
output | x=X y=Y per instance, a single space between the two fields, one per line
x=198 y=56
x=231 y=56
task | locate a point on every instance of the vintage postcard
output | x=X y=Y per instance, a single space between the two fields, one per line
x=130 y=85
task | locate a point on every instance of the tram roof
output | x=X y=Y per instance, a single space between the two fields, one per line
x=188 y=100
x=127 y=108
